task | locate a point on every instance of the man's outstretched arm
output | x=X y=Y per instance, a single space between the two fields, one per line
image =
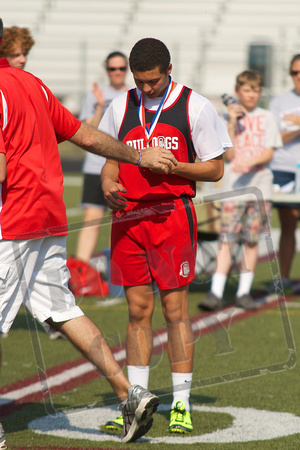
x=100 y=143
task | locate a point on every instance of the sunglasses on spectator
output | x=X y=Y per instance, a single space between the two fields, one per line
x=295 y=72
x=113 y=69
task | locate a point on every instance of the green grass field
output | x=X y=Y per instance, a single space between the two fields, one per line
x=252 y=374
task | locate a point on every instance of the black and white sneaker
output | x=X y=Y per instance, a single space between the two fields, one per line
x=2 y=438
x=137 y=413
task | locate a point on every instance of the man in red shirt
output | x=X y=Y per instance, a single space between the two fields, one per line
x=33 y=225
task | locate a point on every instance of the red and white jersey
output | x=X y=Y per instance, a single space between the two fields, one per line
x=32 y=122
x=188 y=125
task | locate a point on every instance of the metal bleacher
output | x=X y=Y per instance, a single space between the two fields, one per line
x=208 y=40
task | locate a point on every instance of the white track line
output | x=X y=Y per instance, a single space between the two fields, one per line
x=65 y=376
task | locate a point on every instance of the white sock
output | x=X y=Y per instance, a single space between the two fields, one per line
x=245 y=283
x=181 y=388
x=218 y=284
x=138 y=375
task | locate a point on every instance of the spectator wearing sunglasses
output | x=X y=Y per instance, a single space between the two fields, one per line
x=95 y=104
x=286 y=108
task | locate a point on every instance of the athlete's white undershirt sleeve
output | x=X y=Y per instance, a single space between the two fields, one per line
x=113 y=116
x=209 y=134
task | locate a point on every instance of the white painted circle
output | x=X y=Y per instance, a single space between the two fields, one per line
x=249 y=424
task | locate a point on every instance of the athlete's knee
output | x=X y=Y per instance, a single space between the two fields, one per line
x=139 y=313
x=174 y=313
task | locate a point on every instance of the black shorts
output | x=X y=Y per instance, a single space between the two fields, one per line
x=92 y=194
x=282 y=178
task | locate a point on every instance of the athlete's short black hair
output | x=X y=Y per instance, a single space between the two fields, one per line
x=149 y=53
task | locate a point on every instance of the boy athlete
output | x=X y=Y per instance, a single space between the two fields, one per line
x=154 y=225
x=254 y=134
x=33 y=225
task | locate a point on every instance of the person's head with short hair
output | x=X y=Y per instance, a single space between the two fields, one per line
x=149 y=53
x=251 y=77
x=150 y=64
x=295 y=58
x=295 y=72
x=248 y=88
x=16 y=45
x=116 y=66
x=114 y=55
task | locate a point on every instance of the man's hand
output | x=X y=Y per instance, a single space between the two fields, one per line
x=242 y=166
x=98 y=93
x=113 y=195
x=158 y=159
x=235 y=112
x=292 y=119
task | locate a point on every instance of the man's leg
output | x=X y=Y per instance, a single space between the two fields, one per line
x=139 y=331
x=288 y=220
x=224 y=260
x=214 y=299
x=246 y=276
x=180 y=333
x=181 y=354
x=231 y=217
x=138 y=403
x=249 y=261
x=88 y=236
x=88 y=339
x=138 y=339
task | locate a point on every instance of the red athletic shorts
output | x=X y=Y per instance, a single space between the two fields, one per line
x=154 y=241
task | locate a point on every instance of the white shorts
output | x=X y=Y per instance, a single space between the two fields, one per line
x=34 y=273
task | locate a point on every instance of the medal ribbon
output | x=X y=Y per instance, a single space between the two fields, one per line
x=141 y=111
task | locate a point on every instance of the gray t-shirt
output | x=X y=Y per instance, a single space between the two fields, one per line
x=286 y=157
x=93 y=163
x=255 y=132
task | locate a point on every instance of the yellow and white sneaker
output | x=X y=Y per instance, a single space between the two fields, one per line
x=180 y=419
x=116 y=424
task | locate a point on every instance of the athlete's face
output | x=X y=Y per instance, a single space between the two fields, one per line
x=17 y=58
x=152 y=83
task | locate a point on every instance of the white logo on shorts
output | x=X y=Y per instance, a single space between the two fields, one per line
x=184 y=269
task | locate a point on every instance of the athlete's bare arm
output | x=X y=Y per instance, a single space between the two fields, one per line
x=113 y=191
x=211 y=170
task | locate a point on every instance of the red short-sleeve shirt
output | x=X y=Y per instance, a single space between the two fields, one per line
x=32 y=121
